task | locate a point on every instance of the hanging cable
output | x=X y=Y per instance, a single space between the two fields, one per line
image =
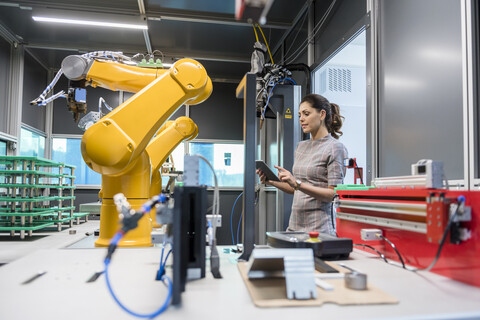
x=311 y=36
x=238 y=228
x=394 y=248
x=299 y=29
x=255 y=30
x=231 y=217
x=372 y=248
x=266 y=43
x=461 y=200
x=270 y=94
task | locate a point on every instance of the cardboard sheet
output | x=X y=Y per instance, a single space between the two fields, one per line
x=267 y=293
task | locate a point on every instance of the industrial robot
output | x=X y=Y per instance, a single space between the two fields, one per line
x=119 y=145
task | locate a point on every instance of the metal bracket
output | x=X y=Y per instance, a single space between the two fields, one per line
x=296 y=265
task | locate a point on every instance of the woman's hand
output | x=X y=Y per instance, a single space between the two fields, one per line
x=285 y=176
x=262 y=176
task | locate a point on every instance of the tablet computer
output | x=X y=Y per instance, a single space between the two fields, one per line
x=260 y=164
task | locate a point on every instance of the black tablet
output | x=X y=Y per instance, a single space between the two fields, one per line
x=266 y=170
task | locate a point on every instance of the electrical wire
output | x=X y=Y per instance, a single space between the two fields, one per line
x=135 y=314
x=270 y=94
x=268 y=48
x=231 y=218
x=113 y=243
x=310 y=37
x=461 y=200
x=372 y=248
x=300 y=28
x=394 y=248
x=216 y=194
x=238 y=228
x=256 y=35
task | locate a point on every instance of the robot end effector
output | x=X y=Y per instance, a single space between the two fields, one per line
x=75 y=69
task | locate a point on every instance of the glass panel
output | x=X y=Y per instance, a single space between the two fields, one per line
x=68 y=151
x=227 y=160
x=31 y=144
x=3 y=148
x=342 y=80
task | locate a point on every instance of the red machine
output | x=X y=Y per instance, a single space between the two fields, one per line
x=415 y=220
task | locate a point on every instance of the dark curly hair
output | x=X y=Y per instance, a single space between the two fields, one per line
x=333 y=118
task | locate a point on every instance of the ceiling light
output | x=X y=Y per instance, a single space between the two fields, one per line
x=90 y=19
x=91 y=23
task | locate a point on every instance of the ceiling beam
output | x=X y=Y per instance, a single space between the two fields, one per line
x=207 y=17
x=146 y=35
x=131 y=51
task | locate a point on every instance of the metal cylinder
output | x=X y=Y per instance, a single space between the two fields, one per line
x=356 y=281
x=75 y=67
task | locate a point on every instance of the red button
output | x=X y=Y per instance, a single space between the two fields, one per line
x=313 y=234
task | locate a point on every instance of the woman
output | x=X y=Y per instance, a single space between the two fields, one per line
x=318 y=167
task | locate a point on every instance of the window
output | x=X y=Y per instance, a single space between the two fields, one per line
x=32 y=144
x=67 y=150
x=3 y=148
x=342 y=80
x=227 y=160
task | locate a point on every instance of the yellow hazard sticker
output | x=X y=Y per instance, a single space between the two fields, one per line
x=288 y=110
x=288 y=116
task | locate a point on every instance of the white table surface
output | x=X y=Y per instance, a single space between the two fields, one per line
x=62 y=293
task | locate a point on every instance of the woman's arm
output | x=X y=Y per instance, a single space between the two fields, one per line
x=319 y=193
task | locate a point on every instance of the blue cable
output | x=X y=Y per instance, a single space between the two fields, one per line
x=139 y=315
x=291 y=80
x=238 y=228
x=231 y=218
x=162 y=265
x=116 y=238
x=270 y=94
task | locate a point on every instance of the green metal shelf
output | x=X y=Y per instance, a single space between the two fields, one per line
x=37 y=161
x=53 y=186
x=34 y=172
x=36 y=199
x=23 y=200
x=35 y=212
x=5 y=226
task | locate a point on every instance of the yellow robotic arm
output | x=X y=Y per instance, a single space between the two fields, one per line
x=162 y=145
x=116 y=145
x=126 y=131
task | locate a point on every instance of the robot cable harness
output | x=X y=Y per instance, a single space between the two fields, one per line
x=130 y=219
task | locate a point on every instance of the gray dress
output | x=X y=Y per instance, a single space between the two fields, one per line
x=319 y=163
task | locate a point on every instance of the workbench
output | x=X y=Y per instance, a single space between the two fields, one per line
x=62 y=292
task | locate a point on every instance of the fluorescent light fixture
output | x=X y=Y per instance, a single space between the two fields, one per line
x=90 y=19
x=91 y=23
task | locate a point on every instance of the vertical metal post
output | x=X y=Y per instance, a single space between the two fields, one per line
x=372 y=93
x=288 y=135
x=246 y=90
x=49 y=122
x=16 y=93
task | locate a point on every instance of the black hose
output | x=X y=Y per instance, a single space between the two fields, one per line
x=301 y=67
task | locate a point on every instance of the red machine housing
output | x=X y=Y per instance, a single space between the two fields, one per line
x=457 y=261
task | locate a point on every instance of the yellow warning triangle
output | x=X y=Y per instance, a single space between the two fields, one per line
x=288 y=110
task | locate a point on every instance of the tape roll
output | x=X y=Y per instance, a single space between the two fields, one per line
x=356 y=281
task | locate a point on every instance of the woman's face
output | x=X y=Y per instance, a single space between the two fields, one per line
x=311 y=119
